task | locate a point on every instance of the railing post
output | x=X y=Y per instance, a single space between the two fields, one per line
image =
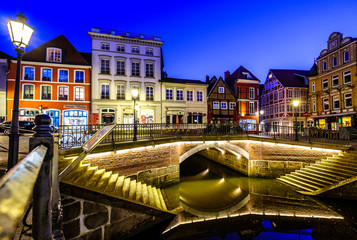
x=42 y=194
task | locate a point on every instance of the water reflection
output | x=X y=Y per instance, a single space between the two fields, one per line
x=218 y=203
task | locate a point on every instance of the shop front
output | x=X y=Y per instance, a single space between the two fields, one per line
x=28 y=114
x=147 y=116
x=195 y=117
x=75 y=117
x=248 y=124
x=107 y=115
x=175 y=117
x=335 y=122
x=54 y=115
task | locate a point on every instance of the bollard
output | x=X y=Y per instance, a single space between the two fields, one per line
x=42 y=193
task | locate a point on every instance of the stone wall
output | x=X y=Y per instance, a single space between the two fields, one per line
x=273 y=169
x=159 y=177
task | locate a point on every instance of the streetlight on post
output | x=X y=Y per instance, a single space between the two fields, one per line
x=296 y=105
x=20 y=34
x=134 y=94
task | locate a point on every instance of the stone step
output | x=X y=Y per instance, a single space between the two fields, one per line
x=296 y=183
x=307 y=181
x=119 y=186
x=64 y=163
x=93 y=181
x=343 y=159
x=139 y=189
x=349 y=167
x=103 y=182
x=352 y=163
x=318 y=173
x=77 y=172
x=156 y=197
x=151 y=196
x=145 y=193
x=314 y=177
x=111 y=183
x=335 y=171
x=132 y=189
x=82 y=180
x=163 y=204
x=126 y=187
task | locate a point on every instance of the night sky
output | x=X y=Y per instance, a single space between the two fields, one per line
x=200 y=37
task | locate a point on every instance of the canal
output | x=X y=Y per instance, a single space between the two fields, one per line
x=215 y=202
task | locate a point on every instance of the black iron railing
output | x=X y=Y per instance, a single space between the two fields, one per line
x=76 y=136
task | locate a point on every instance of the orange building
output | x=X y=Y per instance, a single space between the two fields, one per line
x=55 y=80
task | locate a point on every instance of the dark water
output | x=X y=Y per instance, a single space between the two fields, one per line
x=218 y=203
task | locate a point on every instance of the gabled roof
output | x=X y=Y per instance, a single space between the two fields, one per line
x=291 y=78
x=70 y=55
x=183 y=81
x=5 y=56
x=238 y=74
x=87 y=57
x=213 y=83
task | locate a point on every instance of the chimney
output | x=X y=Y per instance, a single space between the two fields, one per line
x=207 y=79
x=226 y=75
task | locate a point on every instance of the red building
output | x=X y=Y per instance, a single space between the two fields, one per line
x=246 y=89
x=56 y=80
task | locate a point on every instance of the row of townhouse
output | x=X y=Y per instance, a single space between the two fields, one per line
x=326 y=92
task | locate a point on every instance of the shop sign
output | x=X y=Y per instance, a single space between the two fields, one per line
x=75 y=106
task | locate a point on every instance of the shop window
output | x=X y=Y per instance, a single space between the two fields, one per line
x=107 y=115
x=75 y=117
x=147 y=116
x=346 y=121
x=26 y=114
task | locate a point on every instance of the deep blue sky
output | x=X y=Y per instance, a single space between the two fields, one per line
x=200 y=37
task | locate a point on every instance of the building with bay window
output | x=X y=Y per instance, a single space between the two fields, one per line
x=123 y=62
x=55 y=79
x=333 y=96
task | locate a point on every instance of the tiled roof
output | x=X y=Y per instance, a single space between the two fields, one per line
x=5 y=56
x=238 y=74
x=70 y=55
x=291 y=78
x=87 y=57
x=213 y=83
x=184 y=81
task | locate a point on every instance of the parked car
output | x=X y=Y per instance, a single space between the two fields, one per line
x=24 y=127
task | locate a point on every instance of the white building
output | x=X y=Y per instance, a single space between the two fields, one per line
x=121 y=62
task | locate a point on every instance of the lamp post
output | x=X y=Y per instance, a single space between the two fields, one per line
x=296 y=105
x=20 y=34
x=134 y=94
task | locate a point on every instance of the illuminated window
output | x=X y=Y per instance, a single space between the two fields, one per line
x=221 y=89
x=104 y=91
x=46 y=92
x=215 y=105
x=223 y=105
x=63 y=93
x=54 y=55
x=149 y=93
x=28 y=92
x=79 y=93
x=120 y=92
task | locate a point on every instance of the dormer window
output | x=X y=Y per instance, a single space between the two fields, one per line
x=54 y=55
x=247 y=75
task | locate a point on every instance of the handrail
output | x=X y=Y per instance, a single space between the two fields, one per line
x=16 y=187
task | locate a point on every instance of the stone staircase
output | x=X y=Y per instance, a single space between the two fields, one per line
x=112 y=184
x=324 y=175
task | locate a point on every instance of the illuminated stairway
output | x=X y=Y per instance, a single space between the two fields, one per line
x=112 y=184
x=324 y=175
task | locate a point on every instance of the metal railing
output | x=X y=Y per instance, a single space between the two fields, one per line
x=76 y=136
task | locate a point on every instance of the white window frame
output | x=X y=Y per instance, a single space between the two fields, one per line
x=322 y=84
x=146 y=93
x=44 y=68
x=45 y=85
x=120 y=45
x=84 y=75
x=132 y=69
x=177 y=94
x=23 y=91
x=48 y=55
x=290 y=93
x=24 y=73
x=232 y=105
x=332 y=81
x=215 y=105
x=220 y=89
x=189 y=96
x=251 y=93
x=148 y=72
x=348 y=73
x=323 y=104
x=344 y=99
x=198 y=97
x=149 y=51
x=121 y=85
x=313 y=87
x=169 y=97
x=251 y=108
x=80 y=100
x=107 y=46
x=58 y=75
x=101 y=86
x=224 y=105
x=122 y=61
x=58 y=92
x=104 y=59
x=335 y=100
x=135 y=47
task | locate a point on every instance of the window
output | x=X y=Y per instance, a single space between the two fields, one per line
x=168 y=94
x=63 y=75
x=251 y=93
x=104 y=66
x=104 y=46
x=135 y=69
x=336 y=104
x=232 y=105
x=223 y=105
x=120 y=92
x=63 y=93
x=190 y=96
x=120 y=48
x=149 y=67
x=335 y=81
x=54 y=55
x=290 y=93
x=346 y=57
x=221 y=89
x=348 y=100
x=313 y=87
x=324 y=84
x=296 y=93
x=28 y=92
x=275 y=96
x=334 y=62
x=79 y=76
x=149 y=51
x=215 y=105
x=46 y=93
x=135 y=50
x=120 y=67
x=199 y=96
x=79 y=93
x=179 y=95
x=347 y=77
x=247 y=75
x=46 y=74
x=324 y=66
x=104 y=91
x=29 y=73
x=251 y=108
x=149 y=94
x=314 y=105
x=281 y=94
x=325 y=104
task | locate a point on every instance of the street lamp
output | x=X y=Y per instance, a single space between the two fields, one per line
x=20 y=34
x=134 y=94
x=296 y=105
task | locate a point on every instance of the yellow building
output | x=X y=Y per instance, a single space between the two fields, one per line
x=333 y=96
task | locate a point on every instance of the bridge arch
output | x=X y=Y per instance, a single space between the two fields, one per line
x=225 y=146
